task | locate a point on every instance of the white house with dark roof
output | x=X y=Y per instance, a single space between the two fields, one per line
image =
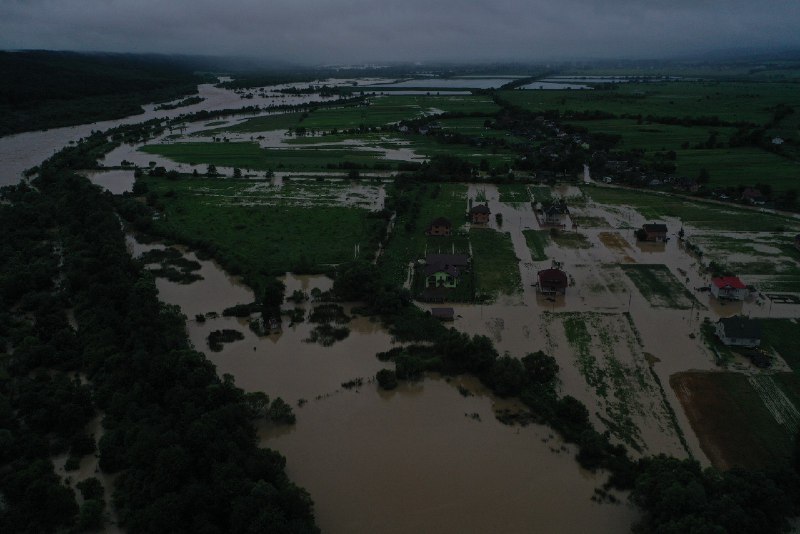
x=739 y=331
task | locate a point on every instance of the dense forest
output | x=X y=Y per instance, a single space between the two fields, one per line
x=181 y=438
x=43 y=89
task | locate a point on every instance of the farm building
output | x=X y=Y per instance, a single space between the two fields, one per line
x=439 y=227
x=728 y=287
x=479 y=214
x=739 y=331
x=652 y=232
x=552 y=281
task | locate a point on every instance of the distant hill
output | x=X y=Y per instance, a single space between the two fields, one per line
x=46 y=89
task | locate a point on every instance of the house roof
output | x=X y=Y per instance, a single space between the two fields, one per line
x=728 y=281
x=655 y=228
x=553 y=276
x=480 y=208
x=741 y=327
x=440 y=221
x=458 y=260
x=433 y=268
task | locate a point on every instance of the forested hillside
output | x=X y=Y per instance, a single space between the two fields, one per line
x=43 y=89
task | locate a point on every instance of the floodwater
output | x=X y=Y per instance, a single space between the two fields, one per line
x=545 y=85
x=116 y=181
x=454 y=83
x=25 y=150
x=422 y=458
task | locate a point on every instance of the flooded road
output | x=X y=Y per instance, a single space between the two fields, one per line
x=422 y=458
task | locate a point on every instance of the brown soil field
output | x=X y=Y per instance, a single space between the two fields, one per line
x=616 y=243
x=732 y=422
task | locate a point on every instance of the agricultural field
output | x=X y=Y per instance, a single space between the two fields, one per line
x=609 y=358
x=496 y=266
x=740 y=420
x=259 y=229
x=729 y=101
x=248 y=155
x=659 y=286
x=718 y=110
x=537 y=240
x=782 y=336
x=695 y=213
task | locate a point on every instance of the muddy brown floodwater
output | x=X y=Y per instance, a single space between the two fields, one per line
x=422 y=458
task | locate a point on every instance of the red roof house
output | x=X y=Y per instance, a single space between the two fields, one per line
x=728 y=287
x=553 y=281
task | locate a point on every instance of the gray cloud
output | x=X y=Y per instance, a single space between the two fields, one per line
x=380 y=30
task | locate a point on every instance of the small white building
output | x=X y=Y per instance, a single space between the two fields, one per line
x=728 y=287
x=739 y=331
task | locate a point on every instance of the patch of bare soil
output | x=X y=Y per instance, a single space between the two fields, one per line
x=616 y=243
x=731 y=421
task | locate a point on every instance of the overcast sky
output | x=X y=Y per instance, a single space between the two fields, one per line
x=323 y=31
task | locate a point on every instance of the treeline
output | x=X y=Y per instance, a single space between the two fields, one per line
x=40 y=89
x=181 y=438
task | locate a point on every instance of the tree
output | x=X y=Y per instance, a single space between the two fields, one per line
x=237 y=172
x=387 y=379
x=211 y=170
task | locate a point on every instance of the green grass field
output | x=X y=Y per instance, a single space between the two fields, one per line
x=537 y=240
x=261 y=239
x=249 y=155
x=782 y=335
x=496 y=266
x=730 y=101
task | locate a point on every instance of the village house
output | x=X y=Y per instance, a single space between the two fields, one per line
x=552 y=281
x=652 y=232
x=552 y=214
x=439 y=227
x=739 y=331
x=479 y=214
x=444 y=270
x=728 y=287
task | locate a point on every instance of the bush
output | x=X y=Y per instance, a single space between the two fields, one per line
x=387 y=379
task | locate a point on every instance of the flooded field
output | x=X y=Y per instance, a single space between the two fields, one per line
x=359 y=451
